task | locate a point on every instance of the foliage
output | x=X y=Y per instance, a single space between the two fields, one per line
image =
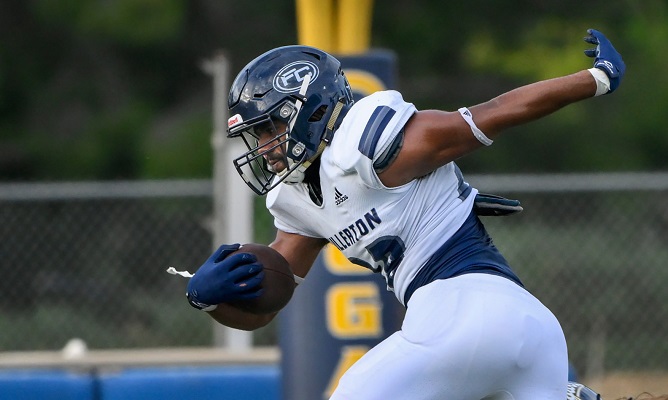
x=621 y=128
x=131 y=22
x=105 y=90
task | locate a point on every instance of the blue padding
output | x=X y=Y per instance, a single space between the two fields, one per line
x=45 y=385
x=196 y=383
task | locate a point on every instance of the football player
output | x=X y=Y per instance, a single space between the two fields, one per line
x=377 y=179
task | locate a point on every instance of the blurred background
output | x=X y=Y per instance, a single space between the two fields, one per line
x=115 y=89
x=113 y=94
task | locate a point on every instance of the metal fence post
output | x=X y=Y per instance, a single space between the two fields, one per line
x=232 y=200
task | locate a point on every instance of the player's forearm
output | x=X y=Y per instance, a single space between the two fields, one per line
x=238 y=319
x=531 y=102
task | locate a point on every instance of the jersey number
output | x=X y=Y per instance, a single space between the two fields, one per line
x=387 y=252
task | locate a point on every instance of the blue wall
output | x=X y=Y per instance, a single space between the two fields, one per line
x=158 y=383
x=168 y=383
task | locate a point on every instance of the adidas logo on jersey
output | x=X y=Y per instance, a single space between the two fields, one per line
x=339 y=197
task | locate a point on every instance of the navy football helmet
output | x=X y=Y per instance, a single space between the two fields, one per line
x=578 y=391
x=286 y=105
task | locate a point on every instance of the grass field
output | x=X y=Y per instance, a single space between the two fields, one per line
x=615 y=385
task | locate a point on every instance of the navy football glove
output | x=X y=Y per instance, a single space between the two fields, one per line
x=223 y=279
x=495 y=206
x=606 y=58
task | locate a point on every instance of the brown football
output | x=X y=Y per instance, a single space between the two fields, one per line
x=278 y=283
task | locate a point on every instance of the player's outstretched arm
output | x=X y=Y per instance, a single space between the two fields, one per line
x=434 y=138
x=540 y=99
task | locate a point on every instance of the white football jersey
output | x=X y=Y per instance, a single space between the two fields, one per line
x=393 y=231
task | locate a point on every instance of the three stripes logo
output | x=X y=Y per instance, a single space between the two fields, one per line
x=339 y=197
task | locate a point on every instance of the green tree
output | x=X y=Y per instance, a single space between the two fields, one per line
x=107 y=90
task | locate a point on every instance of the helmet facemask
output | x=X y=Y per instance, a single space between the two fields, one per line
x=273 y=156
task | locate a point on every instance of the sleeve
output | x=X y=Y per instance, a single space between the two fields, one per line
x=288 y=210
x=369 y=134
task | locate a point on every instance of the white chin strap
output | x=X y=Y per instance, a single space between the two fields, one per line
x=298 y=174
x=295 y=176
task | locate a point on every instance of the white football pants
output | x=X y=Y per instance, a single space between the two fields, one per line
x=472 y=337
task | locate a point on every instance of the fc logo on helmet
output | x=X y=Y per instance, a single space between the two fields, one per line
x=289 y=78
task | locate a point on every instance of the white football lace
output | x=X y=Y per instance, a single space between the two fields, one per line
x=185 y=274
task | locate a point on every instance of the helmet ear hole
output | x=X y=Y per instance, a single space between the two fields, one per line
x=318 y=114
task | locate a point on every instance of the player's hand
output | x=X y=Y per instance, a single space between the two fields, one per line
x=223 y=279
x=606 y=58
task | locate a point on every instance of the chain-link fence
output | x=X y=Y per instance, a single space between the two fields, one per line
x=89 y=261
